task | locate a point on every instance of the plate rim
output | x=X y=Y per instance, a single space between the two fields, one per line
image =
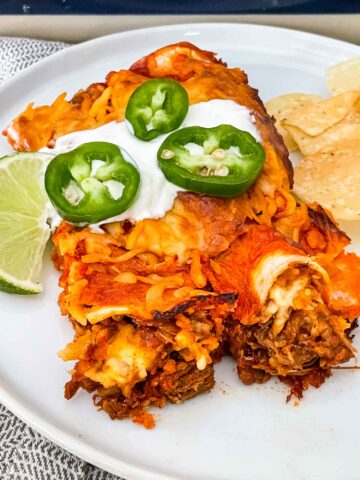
x=177 y=26
x=58 y=436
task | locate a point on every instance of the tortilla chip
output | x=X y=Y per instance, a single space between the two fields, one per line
x=343 y=76
x=280 y=107
x=344 y=133
x=333 y=180
x=340 y=135
x=315 y=119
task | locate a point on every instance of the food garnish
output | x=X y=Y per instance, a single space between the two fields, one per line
x=221 y=161
x=91 y=183
x=156 y=107
x=23 y=216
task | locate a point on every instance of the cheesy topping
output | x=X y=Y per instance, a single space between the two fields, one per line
x=291 y=291
x=127 y=361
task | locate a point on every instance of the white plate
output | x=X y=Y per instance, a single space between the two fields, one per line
x=235 y=432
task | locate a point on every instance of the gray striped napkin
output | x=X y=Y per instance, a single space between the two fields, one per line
x=24 y=454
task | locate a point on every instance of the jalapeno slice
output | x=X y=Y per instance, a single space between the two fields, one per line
x=222 y=161
x=91 y=183
x=156 y=107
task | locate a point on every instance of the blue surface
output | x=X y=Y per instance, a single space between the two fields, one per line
x=28 y=7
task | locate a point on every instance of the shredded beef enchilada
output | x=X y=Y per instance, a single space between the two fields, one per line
x=156 y=299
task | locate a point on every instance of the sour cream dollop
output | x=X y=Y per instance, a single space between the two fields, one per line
x=156 y=194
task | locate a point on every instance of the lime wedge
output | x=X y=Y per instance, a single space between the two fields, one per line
x=24 y=232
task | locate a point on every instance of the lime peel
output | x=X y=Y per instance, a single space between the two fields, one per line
x=24 y=210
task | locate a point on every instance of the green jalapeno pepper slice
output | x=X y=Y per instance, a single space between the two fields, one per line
x=91 y=183
x=158 y=106
x=222 y=161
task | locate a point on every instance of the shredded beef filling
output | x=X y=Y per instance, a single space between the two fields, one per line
x=184 y=383
x=131 y=366
x=307 y=347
